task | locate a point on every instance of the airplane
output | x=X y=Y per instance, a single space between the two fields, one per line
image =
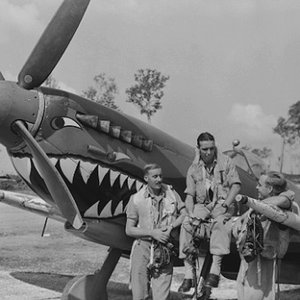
x=84 y=160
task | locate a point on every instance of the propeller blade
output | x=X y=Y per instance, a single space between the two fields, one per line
x=52 y=44
x=1 y=76
x=54 y=182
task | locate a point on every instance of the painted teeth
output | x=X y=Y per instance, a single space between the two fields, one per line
x=86 y=169
x=113 y=176
x=130 y=182
x=53 y=160
x=101 y=173
x=70 y=166
x=106 y=212
x=119 y=209
x=138 y=185
x=122 y=179
x=23 y=165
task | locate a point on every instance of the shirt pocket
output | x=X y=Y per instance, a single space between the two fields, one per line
x=169 y=208
x=197 y=176
x=220 y=177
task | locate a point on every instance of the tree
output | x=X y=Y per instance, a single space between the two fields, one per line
x=283 y=130
x=51 y=82
x=288 y=129
x=103 y=91
x=148 y=91
x=258 y=166
x=263 y=153
x=246 y=147
x=294 y=119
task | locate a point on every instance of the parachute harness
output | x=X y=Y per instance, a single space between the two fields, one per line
x=160 y=257
x=254 y=242
x=160 y=254
x=200 y=231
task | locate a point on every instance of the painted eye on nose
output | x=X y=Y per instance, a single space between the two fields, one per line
x=61 y=122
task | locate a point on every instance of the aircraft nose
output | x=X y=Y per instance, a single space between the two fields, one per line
x=16 y=103
x=5 y=103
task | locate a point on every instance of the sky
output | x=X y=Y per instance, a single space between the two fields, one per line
x=234 y=65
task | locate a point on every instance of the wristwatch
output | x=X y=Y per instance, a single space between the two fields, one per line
x=225 y=206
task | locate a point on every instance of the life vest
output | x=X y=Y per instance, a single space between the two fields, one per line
x=276 y=240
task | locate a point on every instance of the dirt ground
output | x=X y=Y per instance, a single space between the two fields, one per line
x=35 y=267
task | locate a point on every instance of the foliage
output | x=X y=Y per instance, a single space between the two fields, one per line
x=246 y=147
x=103 y=91
x=148 y=91
x=294 y=116
x=289 y=129
x=13 y=183
x=51 y=82
x=263 y=153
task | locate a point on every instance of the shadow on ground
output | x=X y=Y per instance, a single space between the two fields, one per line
x=57 y=282
x=116 y=290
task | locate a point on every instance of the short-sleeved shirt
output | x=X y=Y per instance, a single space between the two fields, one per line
x=150 y=211
x=290 y=195
x=200 y=181
x=276 y=241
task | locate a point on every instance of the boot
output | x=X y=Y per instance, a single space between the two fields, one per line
x=212 y=280
x=186 y=285
x=204 y=294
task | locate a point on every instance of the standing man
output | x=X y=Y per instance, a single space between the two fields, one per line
x=256 y=277
x=151 y=215
x=211 y=185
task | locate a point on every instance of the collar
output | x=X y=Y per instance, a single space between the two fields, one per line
x=219 y=162
x=202 y=163
x=161 y=195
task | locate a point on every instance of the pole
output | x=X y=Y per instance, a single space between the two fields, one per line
x=282 y=155
x=44 y=227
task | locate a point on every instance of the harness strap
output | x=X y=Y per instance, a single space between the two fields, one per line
x=222 y=176
x=258 y=270
x=277 y=266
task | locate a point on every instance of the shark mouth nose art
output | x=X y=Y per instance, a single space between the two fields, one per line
x=105 y=192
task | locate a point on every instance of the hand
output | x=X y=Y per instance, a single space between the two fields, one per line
x=243 y=199
x=218 y=211
x=191 y=215
x=167 y=229
x=196 y=221
x=238 y=224
x=161 y=235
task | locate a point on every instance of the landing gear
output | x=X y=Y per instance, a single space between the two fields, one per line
x=93 y=287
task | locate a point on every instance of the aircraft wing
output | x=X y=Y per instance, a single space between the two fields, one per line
x=31 y=203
